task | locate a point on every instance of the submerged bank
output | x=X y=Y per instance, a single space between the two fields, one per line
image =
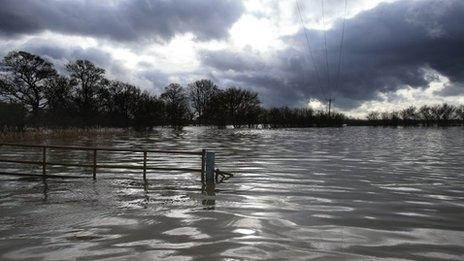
x=40 y=134
x=37 y=134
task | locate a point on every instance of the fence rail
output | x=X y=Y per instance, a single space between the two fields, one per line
x=102 y=149
x=206 y=170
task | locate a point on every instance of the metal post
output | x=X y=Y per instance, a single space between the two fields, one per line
x=209 y=167
x=145 y=166
x=94 y=164
x=330 y=104
x=203 y=165
x=44 y=160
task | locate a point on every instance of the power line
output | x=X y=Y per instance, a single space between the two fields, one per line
x=310 y=50
x=326 y=50
x=340 y=57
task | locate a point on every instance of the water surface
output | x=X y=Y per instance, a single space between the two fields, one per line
x=340 y=194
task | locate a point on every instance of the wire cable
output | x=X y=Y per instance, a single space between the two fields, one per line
x=340 y=57
x=308 y=43
x=326 y=50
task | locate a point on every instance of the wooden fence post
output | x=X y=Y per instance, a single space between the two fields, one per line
x=209 y=167
x=203 y=165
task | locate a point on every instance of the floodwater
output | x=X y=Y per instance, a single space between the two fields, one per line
x=354 y=193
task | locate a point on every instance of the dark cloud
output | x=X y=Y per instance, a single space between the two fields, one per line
x=123 y=20
x=158 y=79
x=386 y=48
x=61 y=54
x=233 y=61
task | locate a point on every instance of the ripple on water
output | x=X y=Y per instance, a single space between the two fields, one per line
x=297 y=194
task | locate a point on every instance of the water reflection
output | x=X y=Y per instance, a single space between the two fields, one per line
x=45 y=189
x=146 y=199
x=347 y=193
x=209 y=191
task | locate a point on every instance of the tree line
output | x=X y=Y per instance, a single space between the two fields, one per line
x=34 y=94
x=426 y=115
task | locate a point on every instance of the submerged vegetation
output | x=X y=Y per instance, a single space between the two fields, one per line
x=33 y=94
x=42 y=134
x=437 y=115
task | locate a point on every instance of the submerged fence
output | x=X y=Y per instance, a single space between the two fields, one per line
x=206 y=169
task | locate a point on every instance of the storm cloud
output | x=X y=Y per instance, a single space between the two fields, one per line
x=258 y=45
x=392 y=46
x=123 y=20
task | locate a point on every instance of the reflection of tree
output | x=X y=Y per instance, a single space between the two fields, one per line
x=146 y=194
x=45 y=190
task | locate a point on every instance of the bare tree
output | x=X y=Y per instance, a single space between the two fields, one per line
x=60 y=101
x=12 y=117
x=241 y=106
x=436 y=113
x=459 y=112
x=89 y=79
x=201 y=94
x=23 y=79
x=149 y=112
x=122 y=102
x=408 y=114
x=446 y=112
x=425 y=113
x=288 y=117
x=373 y=116
x=176 y=104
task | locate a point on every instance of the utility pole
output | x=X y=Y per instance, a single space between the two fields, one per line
x=330 y=100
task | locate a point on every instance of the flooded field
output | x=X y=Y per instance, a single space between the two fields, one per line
x=347 y=194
